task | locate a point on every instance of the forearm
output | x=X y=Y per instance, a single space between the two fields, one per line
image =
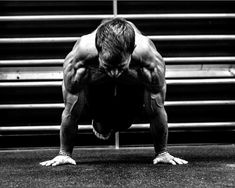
x=68 y=132
x=159 y=131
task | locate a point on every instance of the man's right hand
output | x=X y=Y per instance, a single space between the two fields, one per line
x=59 y=160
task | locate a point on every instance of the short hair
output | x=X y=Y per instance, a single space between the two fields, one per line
x=114 y=39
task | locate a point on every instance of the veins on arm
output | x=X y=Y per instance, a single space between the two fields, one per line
x=74 y=72
x=153 y=71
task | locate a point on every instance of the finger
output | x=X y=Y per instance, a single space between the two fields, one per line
x=172 y=162
x=184 y=161
x=49 y=163
x=178 y=161
x=43 y=163
x=156 y=160
x=71 y=161
x=56 y=163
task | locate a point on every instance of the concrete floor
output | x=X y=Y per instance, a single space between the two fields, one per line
x=209 y=166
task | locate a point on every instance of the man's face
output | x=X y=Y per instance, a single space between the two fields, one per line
x=114 y=71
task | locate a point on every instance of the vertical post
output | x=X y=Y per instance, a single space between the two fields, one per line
x=115 y=8
x=117 y=140
x=115 y=15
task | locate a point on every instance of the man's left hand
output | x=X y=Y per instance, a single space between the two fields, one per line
x=168 y=159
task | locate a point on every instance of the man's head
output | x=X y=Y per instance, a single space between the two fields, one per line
x=115 y=42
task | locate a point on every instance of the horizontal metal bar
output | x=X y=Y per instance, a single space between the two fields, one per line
x=134 y=126
x=31 y=62
x=200 y=81
x=56 y=74
x=190 y=125
x=31 y=128
x=200 y=60
x=167 y=103
x=179 y=16
x=32 y=106
x=200 y=103
x=56 y=17
x=40 y=128
x=169 y=60
x=152 y=37
x=191 y=37
x=31 y=84
x=127 y=16
x=197 y=73
x=169 y=82
x=38 y=40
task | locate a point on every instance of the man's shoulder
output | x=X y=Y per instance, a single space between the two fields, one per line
x=146 y=53
x=85 y=48
x=144 y=47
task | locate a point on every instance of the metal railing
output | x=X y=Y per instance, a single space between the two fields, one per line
x=153 y=37
x=169 y=82
x=127 y=16
x=167 y=103
x=198 y=125
x=168 y=60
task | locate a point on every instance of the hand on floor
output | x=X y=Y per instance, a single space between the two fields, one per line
x=59 y=160
x=169 y=159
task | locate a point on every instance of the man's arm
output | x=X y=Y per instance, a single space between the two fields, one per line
x=68 y=131
x=147 y=66
x=74 y=72
x=152 y=72
x=74 y=78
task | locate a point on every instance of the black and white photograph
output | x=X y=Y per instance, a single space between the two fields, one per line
x=117 y=94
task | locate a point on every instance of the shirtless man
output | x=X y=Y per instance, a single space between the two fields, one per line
x=116 y=74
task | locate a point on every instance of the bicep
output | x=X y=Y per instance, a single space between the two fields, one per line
x=155 y=56
x=154 y=69
x=70 y=58
x=73 y=74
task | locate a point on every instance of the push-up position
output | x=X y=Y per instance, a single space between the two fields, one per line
x=116 y=74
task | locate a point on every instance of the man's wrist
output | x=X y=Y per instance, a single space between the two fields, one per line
x=63 y=153
x=163 y=152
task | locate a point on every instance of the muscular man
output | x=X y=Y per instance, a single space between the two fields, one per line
x=115 y=73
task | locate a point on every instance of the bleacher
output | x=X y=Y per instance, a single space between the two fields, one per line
x=195 y=38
